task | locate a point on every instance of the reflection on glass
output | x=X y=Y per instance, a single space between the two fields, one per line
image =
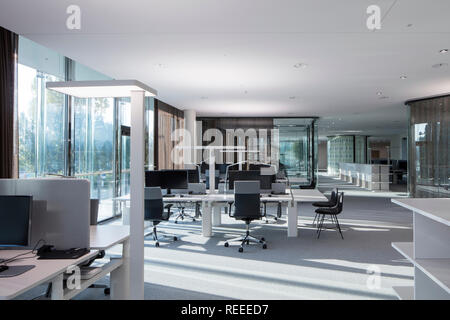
x=93 y=149
x=298 y=150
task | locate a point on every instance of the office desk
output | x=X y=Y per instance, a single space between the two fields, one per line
x=43 y=272
x=101 y=238
x=211 y=204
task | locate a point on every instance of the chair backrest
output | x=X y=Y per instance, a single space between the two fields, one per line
x=247 y=201
x=340 y=202
x=334 y=197
x=153 y=203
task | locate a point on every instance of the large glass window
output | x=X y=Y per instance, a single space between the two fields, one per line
x=96 y=148
x=41 y=115
x=93 y=149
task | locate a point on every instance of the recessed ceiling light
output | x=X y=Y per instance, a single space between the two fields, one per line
x=300 y=65
x=409 y=25
x=443 y=51
x=203 y=98
x=440 y=65
x=383 y=97
x=379 y=93
x=403 y=77
x=292 y=97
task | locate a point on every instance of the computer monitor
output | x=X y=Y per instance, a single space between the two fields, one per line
x=174 y=179
x=266 y=181
x=193 y=176
x=153 y=178
x=15 y=221
x=249 y=175
x=258 y=166
x=403 y=165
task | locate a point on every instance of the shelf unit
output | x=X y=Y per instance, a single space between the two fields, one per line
x=429 y=252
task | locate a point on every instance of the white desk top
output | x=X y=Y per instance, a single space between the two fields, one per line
x=44 y=271
x=437 y=209
x=104 y=237
x=300 y=195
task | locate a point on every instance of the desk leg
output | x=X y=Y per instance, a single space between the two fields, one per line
x=206 y=220
x=216 y=216
x=292 y=220
x=57 y=287
x=120 y=277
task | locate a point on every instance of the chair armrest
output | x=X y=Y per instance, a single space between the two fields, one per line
x=230 y=203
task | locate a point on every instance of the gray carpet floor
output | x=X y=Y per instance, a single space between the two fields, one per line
x=362 y=266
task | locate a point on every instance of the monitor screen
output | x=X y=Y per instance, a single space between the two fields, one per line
x=235 y=175
x=174 y=179
x=266 y=181
x=152 y=178
x=15 y=220
x=193 y=176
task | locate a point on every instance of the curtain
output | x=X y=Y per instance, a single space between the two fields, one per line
x=8 y=57
x=167 y=119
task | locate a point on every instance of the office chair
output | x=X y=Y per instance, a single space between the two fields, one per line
x=247 y=207
x=326 y=204
x=333 y=213
x=154 y=211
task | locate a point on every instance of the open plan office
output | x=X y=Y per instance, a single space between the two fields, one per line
x=224 y=150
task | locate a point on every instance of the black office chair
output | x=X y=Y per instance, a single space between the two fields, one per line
x=247 y=207
x=326 y=204
x=333 y=212
x=154 y=211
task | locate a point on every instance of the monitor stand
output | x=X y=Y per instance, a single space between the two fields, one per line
x=13 y=271
x=169 y=194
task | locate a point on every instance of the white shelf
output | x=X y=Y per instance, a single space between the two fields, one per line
x=437 y=209
x=436 y=269
x=107 y=268
x=404 y=292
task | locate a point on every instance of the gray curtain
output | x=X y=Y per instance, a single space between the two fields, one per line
x=8 y=56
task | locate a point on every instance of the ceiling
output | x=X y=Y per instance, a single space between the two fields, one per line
x=241 y=57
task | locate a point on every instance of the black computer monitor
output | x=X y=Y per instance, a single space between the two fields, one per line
x=193 y=176
x=15 y=221
x=235 y=175
x=258 y=166
x=266 y=181
x=403 y=165
x=152 y=178
x=174 y=179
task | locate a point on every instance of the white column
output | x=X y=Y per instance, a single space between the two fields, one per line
x=190 y=125
x=137 y=196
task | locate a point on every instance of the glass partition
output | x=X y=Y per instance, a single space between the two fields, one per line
x=298 y=150
x=429 y=160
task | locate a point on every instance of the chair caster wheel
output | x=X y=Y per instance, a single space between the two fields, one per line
x=241 y=249
x=264 y=246
x=176 y=221
x=175 y=238
x=193 y=220
x=226 y=244
x=263 y=239
x=107 y=291
x=275 y=218
x=157 y=244
x=267 y=221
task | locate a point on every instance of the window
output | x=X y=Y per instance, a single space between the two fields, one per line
x=96 y=149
